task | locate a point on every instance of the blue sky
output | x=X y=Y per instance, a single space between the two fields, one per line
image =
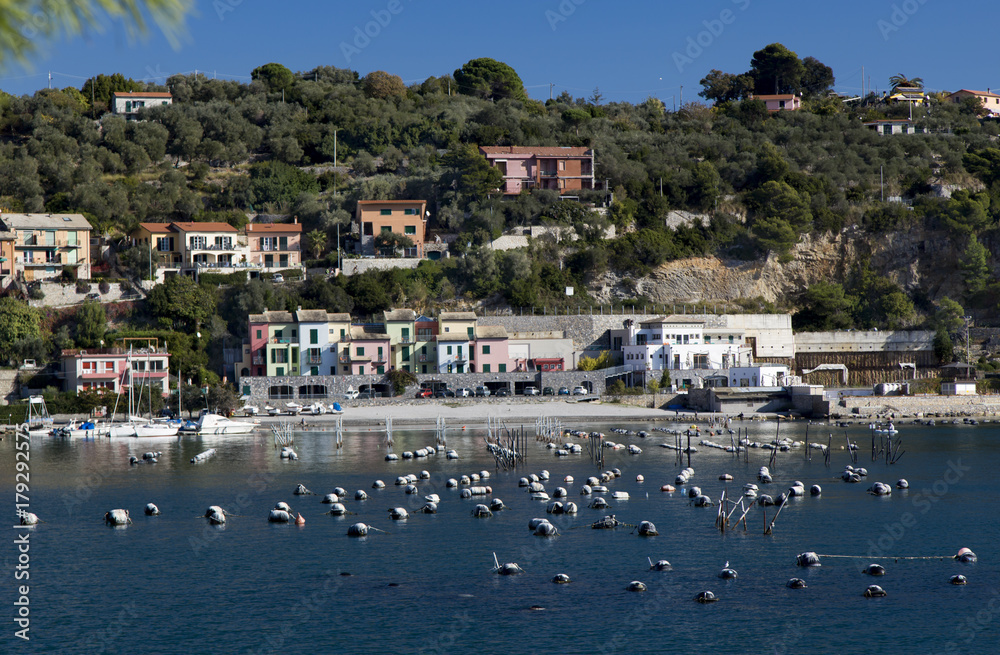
x=631 y=50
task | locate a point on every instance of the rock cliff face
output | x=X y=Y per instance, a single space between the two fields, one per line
x=915 y=259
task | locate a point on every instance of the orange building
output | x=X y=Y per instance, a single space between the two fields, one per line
x=403 y=217
x=275 y=245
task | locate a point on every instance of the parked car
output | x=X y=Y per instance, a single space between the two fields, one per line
x=425 y=393
x=502 y=391
x=548 y=391
x=579 y=391
x=563 y=391
x=531 y=391
x=93 y=296
x=482 y=392
x=463 y=393
x=444 y=393
x=351 y=394
x=277 y=277
x=367 y=394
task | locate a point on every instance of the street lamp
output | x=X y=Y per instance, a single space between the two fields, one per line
x=968 y=356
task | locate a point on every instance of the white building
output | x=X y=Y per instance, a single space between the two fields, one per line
x=129 y=103
x=453 y=352
x=680 y=342
x=316 y=354
x=761 y=375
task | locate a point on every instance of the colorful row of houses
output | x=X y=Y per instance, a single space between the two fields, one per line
x=185 y=247
x=314 y=342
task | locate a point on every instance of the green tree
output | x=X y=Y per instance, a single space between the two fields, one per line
x=400 y=379
x=316 y=242
x=18 y=322
x=720 y=87
x=948 y=316
x=665 y=381
x=944 y=349
x=475 y=176
x=181 y=300
x=776 y=69
x=576 y=117
x=275 y=77
x=20 y=27
x=91 y=324
x=975 y=265
x=490 y=79
x=817 y=78
x=825 y=307
x=901 y=80
x=99 y=89
x=382 y=85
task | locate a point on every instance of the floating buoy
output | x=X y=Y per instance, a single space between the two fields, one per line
x=215 y=515
x=807 y=559
x=561 y=578
x=378 y=484
x=725 y=477
x=815 y=490
x=660 y=565
x=796 y=583
x=510 y=568
x=360 y=495
x=357 y=530
x=152 y=510
x=958 y=580
x=482 y=512
x=398 y=514
x=728 y=573
x=200 y=457
x=668 y=488
x=705 y=597
x=966 y=555
x=874 y=569
x=635 y=585
x=300 y=520
x=301 y=490
x=647 y=529
x=280 y=516
x=546 y=529
x=875 y=591
x=337 y=509
x=29 y=518
x=117 y=517
x=902 y=484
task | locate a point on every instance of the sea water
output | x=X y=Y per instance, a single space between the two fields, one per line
x=173 y=584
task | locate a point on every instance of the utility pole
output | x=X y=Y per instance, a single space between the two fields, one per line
x=968 y=356
x=550 y=90
x=335 y=146
x=681 y=101
x=881 y=181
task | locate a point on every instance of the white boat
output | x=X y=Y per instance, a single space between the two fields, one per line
x=315 y=409
x=293 y=408
x=209 y=423
x=156 y=430
x=81 y=430
x=38 y=422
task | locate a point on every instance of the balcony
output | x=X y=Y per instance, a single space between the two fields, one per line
x=284 y=340
x=258 y=360
x=312 y=360
x=405 y=339
x=272 y=248
x=422 y=358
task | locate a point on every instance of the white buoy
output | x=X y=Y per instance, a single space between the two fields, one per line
x=152 y=510
x=117 y=517
x=201 y=457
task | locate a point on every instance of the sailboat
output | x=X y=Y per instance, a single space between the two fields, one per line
x=137 y=426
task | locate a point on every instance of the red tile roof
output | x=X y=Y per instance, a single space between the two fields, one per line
x=978 y=93
x=779 y=96
x=274 y=227
x=540 y=151
x=156 y=227
x=206 y=226
x=142 y=94
x=391 y=202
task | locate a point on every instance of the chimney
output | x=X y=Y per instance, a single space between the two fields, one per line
x=295 y=221
x=299 y=308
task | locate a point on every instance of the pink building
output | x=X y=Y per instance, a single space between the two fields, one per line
x=113 y=369
x=275 y=245
x=563 y=169
x=367 y=353
x=781 y=102
x=490 y=353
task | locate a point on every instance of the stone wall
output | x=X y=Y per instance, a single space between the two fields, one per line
x=355 y=266
x=843 y=341
x=58 y=294
x=912 y=405
x=337 y=385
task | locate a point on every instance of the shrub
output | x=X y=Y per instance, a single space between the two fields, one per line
x=83 y=286
x=104 y=286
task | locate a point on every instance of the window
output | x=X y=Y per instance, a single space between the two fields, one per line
x=410 y=212
x=386 y=229
x=423 y=350
x=223 y=243
x=708 y=338
x=279 y=334
x=282 y=243
x=380 y=354
x=280 y=370
x=164 y=244
x=406 y=353
x=367 y=229
x=502 y=368
x=295 y=333
x=410 y=229
x=730 y=338
x=486 y=368
x=472 y=332
x=342 y=331
x=333 y=370
x=295 y=356
x=199 y=243
x=314 y=370
x=449 y=350
x=781 y=103
x=313 y=336
x=385 y=212
x=361 y=351
x=486 y=350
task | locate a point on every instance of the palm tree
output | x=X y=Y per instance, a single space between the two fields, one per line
x=901 y=80
x=24 y=23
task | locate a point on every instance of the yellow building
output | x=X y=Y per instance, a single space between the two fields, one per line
x=45 y=244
